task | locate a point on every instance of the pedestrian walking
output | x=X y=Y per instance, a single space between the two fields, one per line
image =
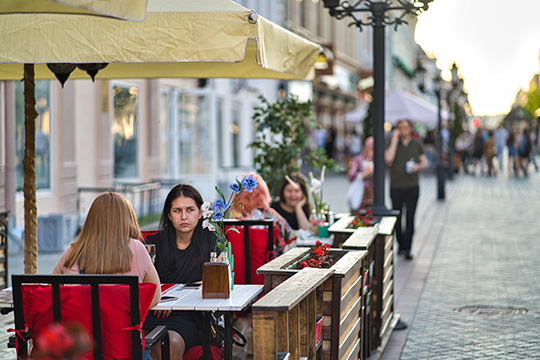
x=429 y=148
x=360 y=195
x=489 y=153
x=501 y=137
x=511 y=143
x=478 y=151
x=406 y=159
x=462 y=145
x=524 y=151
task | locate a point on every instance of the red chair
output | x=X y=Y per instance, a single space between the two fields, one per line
x=110 y=307
x=251 y=248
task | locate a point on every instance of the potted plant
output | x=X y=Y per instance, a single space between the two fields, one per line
x=218 y=272
x=283 y=130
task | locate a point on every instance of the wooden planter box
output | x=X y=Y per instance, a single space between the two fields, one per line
x=379 y=243
x=342 y=299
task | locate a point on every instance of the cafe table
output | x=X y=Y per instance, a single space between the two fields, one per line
x=189 y=298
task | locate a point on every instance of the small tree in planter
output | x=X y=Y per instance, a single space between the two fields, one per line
x=283 y=129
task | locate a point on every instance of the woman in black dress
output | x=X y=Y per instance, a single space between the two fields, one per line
x=182 y=247
x=293 y=204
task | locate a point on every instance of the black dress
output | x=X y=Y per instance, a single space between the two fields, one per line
x=181 y=267
x=290 y=217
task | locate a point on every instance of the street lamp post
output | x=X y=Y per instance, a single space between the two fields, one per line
x=378 y=20
x=437 y=90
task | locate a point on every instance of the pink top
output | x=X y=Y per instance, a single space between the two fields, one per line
x=140 y=263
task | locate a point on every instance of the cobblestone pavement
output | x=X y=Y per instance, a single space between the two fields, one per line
x=487 y=255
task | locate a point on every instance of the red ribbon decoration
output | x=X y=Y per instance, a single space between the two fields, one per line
x=19 y=334
x=137 y=327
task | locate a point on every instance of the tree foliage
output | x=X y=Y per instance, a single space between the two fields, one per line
x=367 y=124
x=283 y=129
x=533 y=103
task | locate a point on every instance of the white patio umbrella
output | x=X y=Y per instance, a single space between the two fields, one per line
x=177 y=38
x=401 y=105
x=134 y=10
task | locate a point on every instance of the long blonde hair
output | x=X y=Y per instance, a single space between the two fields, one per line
x=102 y=247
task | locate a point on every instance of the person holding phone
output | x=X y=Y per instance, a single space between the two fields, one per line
x=182 y=247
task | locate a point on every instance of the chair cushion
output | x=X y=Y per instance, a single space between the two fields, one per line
x=76 y=307
x=196 y=352
x=259 y=253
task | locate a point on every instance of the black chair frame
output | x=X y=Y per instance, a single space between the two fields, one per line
x=158 y=335
x=247 y=224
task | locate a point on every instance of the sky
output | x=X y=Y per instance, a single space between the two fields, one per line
x=495 y=43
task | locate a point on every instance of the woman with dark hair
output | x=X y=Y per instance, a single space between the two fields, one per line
x=293 y=204
x=182 y=247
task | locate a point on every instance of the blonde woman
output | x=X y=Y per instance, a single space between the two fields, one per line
x=109 y=244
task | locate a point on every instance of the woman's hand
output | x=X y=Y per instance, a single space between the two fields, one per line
x=301 y=203
x=162 y=314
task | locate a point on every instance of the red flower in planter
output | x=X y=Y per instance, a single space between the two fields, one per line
x=362 y=220
x=318 y=256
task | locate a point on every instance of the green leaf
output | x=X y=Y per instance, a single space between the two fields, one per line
x=221 y=194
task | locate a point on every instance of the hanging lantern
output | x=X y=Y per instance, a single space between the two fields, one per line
x=62 y=71
x=92 y=68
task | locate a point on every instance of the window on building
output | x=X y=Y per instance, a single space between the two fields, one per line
x=43 y=134
x=125 y=131
x=194 y=140
x=167 y=155
x=234 y=130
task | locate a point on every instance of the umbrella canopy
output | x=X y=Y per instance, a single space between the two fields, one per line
x=121 y=9
x=401 y=105
x=178 y=38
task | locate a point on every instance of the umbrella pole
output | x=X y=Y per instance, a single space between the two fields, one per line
x=29 y=170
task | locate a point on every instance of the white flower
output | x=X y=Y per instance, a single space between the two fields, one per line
x=207 y=214
x=206 y=206
x=315 y=186
x=207 y=225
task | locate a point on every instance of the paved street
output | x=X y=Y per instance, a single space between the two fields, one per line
x=478 y=248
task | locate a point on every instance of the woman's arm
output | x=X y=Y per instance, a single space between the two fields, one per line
x=152 y=277
x=303 y=221
x=390 y=153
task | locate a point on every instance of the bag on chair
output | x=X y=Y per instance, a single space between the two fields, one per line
x=356 y=193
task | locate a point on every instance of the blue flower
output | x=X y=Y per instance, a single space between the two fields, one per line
x=219 y=206
x=217 y=216
x=235 y=187
x=249 y=183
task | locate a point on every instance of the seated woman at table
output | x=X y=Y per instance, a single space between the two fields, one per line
x=256 y=206
x=293 y=204
x=182 y=247
x=109 y=244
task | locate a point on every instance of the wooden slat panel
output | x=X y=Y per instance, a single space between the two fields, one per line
x=350 y=297
x=387 y=225
x=289 y=293
x=340 y=226
x=293 y=333
x=264 y=336
x=303 y=324
x=388 y=244
x=282 y=261
x=350 y=338
x=388 y=289
x=311 y=323
x=282 y=325
x=388 y=276
x=349 y=264
x=387 y=316
x=350 y=316
x=352 y=279
x=354 y=353
x=361 y=238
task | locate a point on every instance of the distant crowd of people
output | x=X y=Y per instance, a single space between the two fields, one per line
x=484 y=151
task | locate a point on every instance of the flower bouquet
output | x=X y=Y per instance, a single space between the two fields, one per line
x=217 y=274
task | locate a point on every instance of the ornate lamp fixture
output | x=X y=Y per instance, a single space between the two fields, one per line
x=378 y=20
